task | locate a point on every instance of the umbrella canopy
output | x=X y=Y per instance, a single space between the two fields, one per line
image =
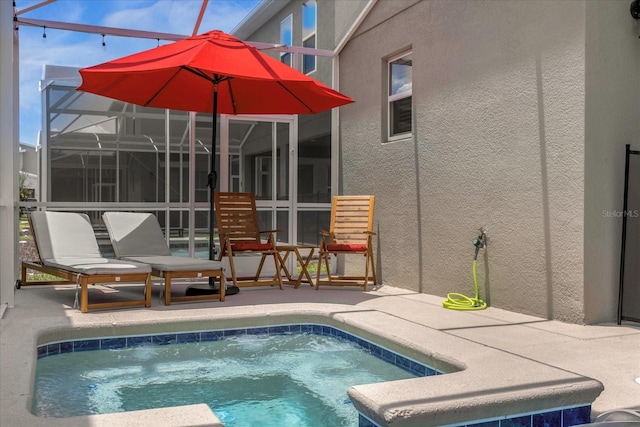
x=213 y=72
x=182 y=75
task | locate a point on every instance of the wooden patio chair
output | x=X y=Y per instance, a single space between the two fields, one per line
x=239 y=233
x=351 y=233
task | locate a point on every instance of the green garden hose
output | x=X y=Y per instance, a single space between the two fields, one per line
x=456 y=301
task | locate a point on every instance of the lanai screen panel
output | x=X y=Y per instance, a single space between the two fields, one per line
x=631 y=285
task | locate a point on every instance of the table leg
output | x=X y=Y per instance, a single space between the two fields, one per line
x=304 y=264
x=283 y=260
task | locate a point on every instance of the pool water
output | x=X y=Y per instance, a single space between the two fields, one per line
x=268 y=380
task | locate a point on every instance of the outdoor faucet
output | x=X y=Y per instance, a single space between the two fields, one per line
x=480 y=241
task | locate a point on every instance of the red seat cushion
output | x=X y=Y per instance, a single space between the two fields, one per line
x=251 y=246
x=346 y=247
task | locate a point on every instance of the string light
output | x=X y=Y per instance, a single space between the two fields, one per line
x=103 y=42
x=44 y=32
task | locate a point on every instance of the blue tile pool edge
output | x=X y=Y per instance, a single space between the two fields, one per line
x=410 y=365
x=565 y=416
x=555 y=417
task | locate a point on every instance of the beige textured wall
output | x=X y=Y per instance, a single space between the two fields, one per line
x=499 y=101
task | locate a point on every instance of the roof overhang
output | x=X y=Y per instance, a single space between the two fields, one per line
x=262 y=13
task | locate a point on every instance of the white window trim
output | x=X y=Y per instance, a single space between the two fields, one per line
x=396 y=97
x=313 y=34
x=290 y=18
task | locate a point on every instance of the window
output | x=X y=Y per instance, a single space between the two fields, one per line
x=399 y=101
x=286 y=38
x=309 y=29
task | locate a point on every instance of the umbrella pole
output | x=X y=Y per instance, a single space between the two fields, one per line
x=211 y=183
x=213 y=177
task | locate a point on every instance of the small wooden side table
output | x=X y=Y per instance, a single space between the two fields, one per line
x=303 y=261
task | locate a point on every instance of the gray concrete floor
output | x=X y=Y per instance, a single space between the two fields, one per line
x=608 y=353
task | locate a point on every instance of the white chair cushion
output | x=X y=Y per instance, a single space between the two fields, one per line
x=64 y=235
x=135 y=234
x=66 y=241
x=177 y=263
x=99 y=266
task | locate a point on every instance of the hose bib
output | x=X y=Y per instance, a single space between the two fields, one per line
x=456 y=301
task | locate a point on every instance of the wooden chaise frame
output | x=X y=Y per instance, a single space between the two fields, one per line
x=145 y=244
x=84 y=280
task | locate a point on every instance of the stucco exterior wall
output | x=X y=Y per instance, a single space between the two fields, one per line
x=325 y=35
x=612 y=120
x=499 y=141
x=346 y=13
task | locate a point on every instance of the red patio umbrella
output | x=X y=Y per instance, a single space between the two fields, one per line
x=212 y=72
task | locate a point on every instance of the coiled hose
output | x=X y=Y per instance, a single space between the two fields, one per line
x=456 y=301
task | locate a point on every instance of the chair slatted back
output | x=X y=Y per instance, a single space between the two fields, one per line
x=237 y=217
x=351 y=218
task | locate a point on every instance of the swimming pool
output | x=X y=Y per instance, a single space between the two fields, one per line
x=269 y=376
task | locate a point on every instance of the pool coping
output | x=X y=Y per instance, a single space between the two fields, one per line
x=486 y=383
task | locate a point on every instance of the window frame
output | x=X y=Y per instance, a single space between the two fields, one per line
x=286 y=57
x=391 y=99
x=313 y=34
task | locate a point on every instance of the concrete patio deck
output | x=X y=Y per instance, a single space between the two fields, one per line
x=529 y=360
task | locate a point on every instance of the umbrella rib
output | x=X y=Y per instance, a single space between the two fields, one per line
x=150 y=100
x=296 y=97
x=219 y=79
x=215 y=79
x=233 y=99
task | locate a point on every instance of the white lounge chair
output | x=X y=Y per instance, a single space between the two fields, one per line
x=68 y=248
x=137 y=236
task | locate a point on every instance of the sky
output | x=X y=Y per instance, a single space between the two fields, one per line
x=73 y=49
